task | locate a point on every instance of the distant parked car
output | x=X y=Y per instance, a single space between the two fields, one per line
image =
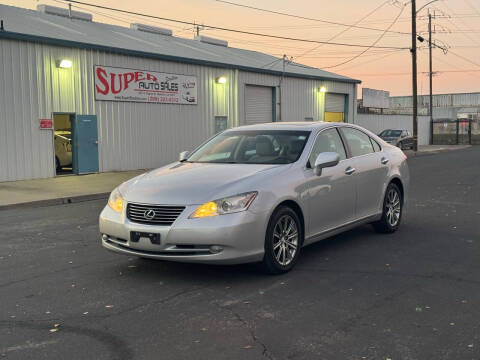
x=63 y=148
x=399 y=138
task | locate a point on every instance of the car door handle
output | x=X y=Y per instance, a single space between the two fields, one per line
x=384 y=160
x=349 y=170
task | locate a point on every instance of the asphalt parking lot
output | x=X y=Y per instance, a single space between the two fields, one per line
x=359 y=295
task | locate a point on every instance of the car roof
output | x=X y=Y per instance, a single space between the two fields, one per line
x=290 y=125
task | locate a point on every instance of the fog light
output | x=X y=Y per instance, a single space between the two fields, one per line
x=216 y=249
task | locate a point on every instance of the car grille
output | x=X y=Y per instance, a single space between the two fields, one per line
x=162 y=214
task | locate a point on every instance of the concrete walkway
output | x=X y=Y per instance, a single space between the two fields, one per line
x=62 y=189
x=71 y=188
x=433 y=149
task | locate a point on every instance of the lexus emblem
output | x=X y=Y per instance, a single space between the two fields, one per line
x=149 y=214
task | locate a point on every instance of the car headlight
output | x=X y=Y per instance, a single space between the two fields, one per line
x=228 y=205
x=115 y=201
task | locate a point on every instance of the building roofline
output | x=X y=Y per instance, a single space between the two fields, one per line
x=82 y=45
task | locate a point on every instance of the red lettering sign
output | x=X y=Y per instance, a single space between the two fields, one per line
x=120 y=84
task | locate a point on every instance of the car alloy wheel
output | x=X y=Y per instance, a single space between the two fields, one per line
x=392 y=211
x=393 y=207
x=285 y=240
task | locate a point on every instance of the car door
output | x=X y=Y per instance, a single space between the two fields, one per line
x=331 y=196
x=370 y=170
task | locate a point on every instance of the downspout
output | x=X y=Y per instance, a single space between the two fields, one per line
x=280 y=89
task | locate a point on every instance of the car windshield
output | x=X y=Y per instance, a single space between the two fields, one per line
x=390 y=133
x=253 y=147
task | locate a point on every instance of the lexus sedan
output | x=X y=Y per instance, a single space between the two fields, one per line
x=259 y=193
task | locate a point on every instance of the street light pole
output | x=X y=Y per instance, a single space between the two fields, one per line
x=414 y=75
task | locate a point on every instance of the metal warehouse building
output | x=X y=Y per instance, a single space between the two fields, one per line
x=133 y=98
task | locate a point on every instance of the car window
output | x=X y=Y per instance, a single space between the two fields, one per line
x=327 y=141
x=376 y=147
x=253 y=147
x=390 y=133
x=358 y=142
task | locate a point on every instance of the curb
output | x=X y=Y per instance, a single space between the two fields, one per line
x=411 y=153
x=56 y=201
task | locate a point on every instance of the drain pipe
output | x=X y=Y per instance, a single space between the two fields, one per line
x=284 y=59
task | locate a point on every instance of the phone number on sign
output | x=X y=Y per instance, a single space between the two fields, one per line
x=162 y=99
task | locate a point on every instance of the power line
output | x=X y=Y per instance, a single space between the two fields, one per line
x=371 y=61
x=345 y=30
x=373 y=44
x=233 y=30
x=307 y=18
x=464 y=58
x=423 y=72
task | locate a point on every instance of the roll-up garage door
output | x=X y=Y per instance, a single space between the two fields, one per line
x=335 y=107
x=258 y=104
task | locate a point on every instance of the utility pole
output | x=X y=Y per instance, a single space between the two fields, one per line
x=430 y=46
x=414 y=75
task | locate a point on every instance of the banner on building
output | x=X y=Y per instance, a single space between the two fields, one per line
x=119 y=84
x=375 y=98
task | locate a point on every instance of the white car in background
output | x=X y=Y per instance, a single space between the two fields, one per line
x=63 y=148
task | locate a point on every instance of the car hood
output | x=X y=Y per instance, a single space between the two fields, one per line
x=192 y=183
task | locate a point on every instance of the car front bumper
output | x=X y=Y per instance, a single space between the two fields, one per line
x=235 y=238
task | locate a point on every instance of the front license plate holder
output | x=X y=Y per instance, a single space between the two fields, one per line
x=154 y=238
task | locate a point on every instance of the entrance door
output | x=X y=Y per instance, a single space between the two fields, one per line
x=85 y=155
x=63 y=142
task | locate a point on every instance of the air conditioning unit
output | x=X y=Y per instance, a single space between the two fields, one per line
x=210 y=40
x=53 y=10
x=151 y=29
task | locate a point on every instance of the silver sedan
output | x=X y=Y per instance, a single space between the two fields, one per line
x=259 y=193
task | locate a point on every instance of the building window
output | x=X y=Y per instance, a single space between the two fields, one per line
x=220 y=124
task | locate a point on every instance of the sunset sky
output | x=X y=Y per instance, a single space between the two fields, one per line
x=457 y=26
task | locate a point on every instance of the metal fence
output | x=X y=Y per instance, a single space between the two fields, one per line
x=456 y=131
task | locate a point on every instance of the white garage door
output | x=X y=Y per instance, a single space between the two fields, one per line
x=258 y=104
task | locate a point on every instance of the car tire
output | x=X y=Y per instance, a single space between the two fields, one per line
x=283 y=241
x=392 y=211
x=57 y=164
x=400 y=145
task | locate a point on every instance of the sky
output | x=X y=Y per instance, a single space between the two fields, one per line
x=456 y=26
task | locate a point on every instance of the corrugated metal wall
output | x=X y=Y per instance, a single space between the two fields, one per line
x=131 y=135
x=378 y=123
x=25 y=151
x=301 y=98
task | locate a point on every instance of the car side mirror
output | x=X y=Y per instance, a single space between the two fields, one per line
x=183 y=156
x=325 y=160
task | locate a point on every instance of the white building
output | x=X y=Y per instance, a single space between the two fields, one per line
x=133 y=98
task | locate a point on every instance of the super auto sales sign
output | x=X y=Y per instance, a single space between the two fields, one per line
x=118 y=84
